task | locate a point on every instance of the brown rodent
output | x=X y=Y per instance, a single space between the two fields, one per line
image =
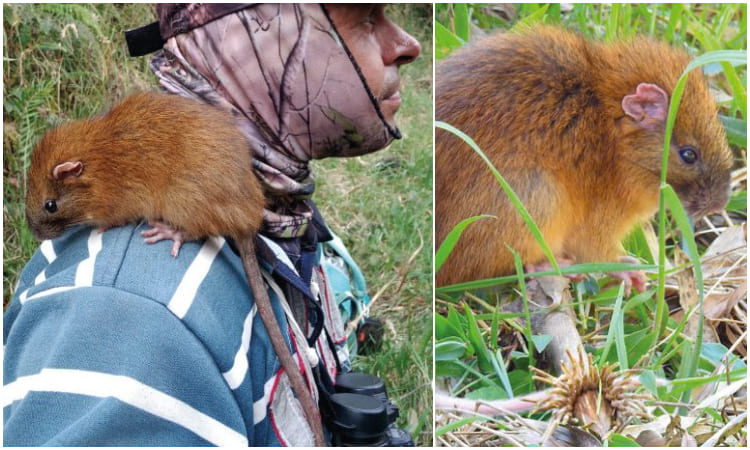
x=577 y=129
x=162 y=158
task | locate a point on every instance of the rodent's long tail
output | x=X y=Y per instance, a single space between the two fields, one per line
x=262 y=301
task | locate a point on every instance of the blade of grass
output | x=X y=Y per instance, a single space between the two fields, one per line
x=614 y=17
x=452 y=239
x=680 y=385
x=457 y=424
x=461 y=20
x=445 y=41
x=616 y=333
x=475 y=339
x=737 y=202
x=554 y=14
x=638 y=300
x=494 y=327
x=535 y=17
x=736 y=130
x=449 y=349
x=645 y=12
x=711 y=43
x=445 y=328
x=486 y=358
x=674 y=16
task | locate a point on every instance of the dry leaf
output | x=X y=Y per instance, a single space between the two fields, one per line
x=722 y=256
x=719 y=306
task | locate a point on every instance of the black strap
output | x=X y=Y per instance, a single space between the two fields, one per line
x=144 y=40
x=325 y=390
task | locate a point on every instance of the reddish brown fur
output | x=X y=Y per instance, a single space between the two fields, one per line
x=545 y=105
x=153 y=156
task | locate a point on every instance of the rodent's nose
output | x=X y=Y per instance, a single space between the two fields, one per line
x=718 y=205
x=716 y=194
x=33 y=226
x=38 y=230
x=713 y=202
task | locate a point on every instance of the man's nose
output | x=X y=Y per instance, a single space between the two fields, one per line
x=399 y=47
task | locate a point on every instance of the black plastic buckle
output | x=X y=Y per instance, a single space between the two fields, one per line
x=144 y=40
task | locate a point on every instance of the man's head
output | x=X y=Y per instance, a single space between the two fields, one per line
x=306 y=81
x=379 y=47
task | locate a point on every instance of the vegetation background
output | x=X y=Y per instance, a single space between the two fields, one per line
x=67 y=61
x=485 y=354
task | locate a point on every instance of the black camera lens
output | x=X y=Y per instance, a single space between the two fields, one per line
x=360 y=414
x=360 y=420
x=360 y=383
x=366 y=384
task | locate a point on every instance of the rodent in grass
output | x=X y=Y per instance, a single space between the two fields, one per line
x=577 y=129
x=162 y=158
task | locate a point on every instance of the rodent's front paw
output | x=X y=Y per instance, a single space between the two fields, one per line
x=161 y=231
x=631 y=278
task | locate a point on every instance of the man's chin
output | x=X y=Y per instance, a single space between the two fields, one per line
x=389 y=107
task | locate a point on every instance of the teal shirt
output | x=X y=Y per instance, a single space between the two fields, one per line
x=111 y=341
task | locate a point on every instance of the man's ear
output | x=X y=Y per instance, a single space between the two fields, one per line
x=648 y=106
x=67 y=170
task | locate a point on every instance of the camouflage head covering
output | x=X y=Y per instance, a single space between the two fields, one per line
x=285 y=69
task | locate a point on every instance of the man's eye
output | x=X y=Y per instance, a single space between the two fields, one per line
x=374 y=13
x=372 y=16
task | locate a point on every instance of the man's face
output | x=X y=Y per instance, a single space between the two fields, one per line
x=379 y=46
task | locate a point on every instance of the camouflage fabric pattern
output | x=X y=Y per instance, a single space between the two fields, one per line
x=283 y=69
x=177 y=18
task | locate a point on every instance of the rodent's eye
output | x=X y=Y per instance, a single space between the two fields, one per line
x=688 y=154
x=50 y=206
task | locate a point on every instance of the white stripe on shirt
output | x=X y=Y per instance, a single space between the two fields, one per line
x=85 y=269
x=84 y=272
x=236 y=374
x=48 y=251
x=127 y=390
x=46 y=292
x=191 y=281
x=260 y=406
x=41 y=277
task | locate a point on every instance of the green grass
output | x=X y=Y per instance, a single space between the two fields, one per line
x=69 y=61
x=614 y=328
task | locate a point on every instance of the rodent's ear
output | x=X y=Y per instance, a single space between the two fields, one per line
x=648 y=106
x=67 y=169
